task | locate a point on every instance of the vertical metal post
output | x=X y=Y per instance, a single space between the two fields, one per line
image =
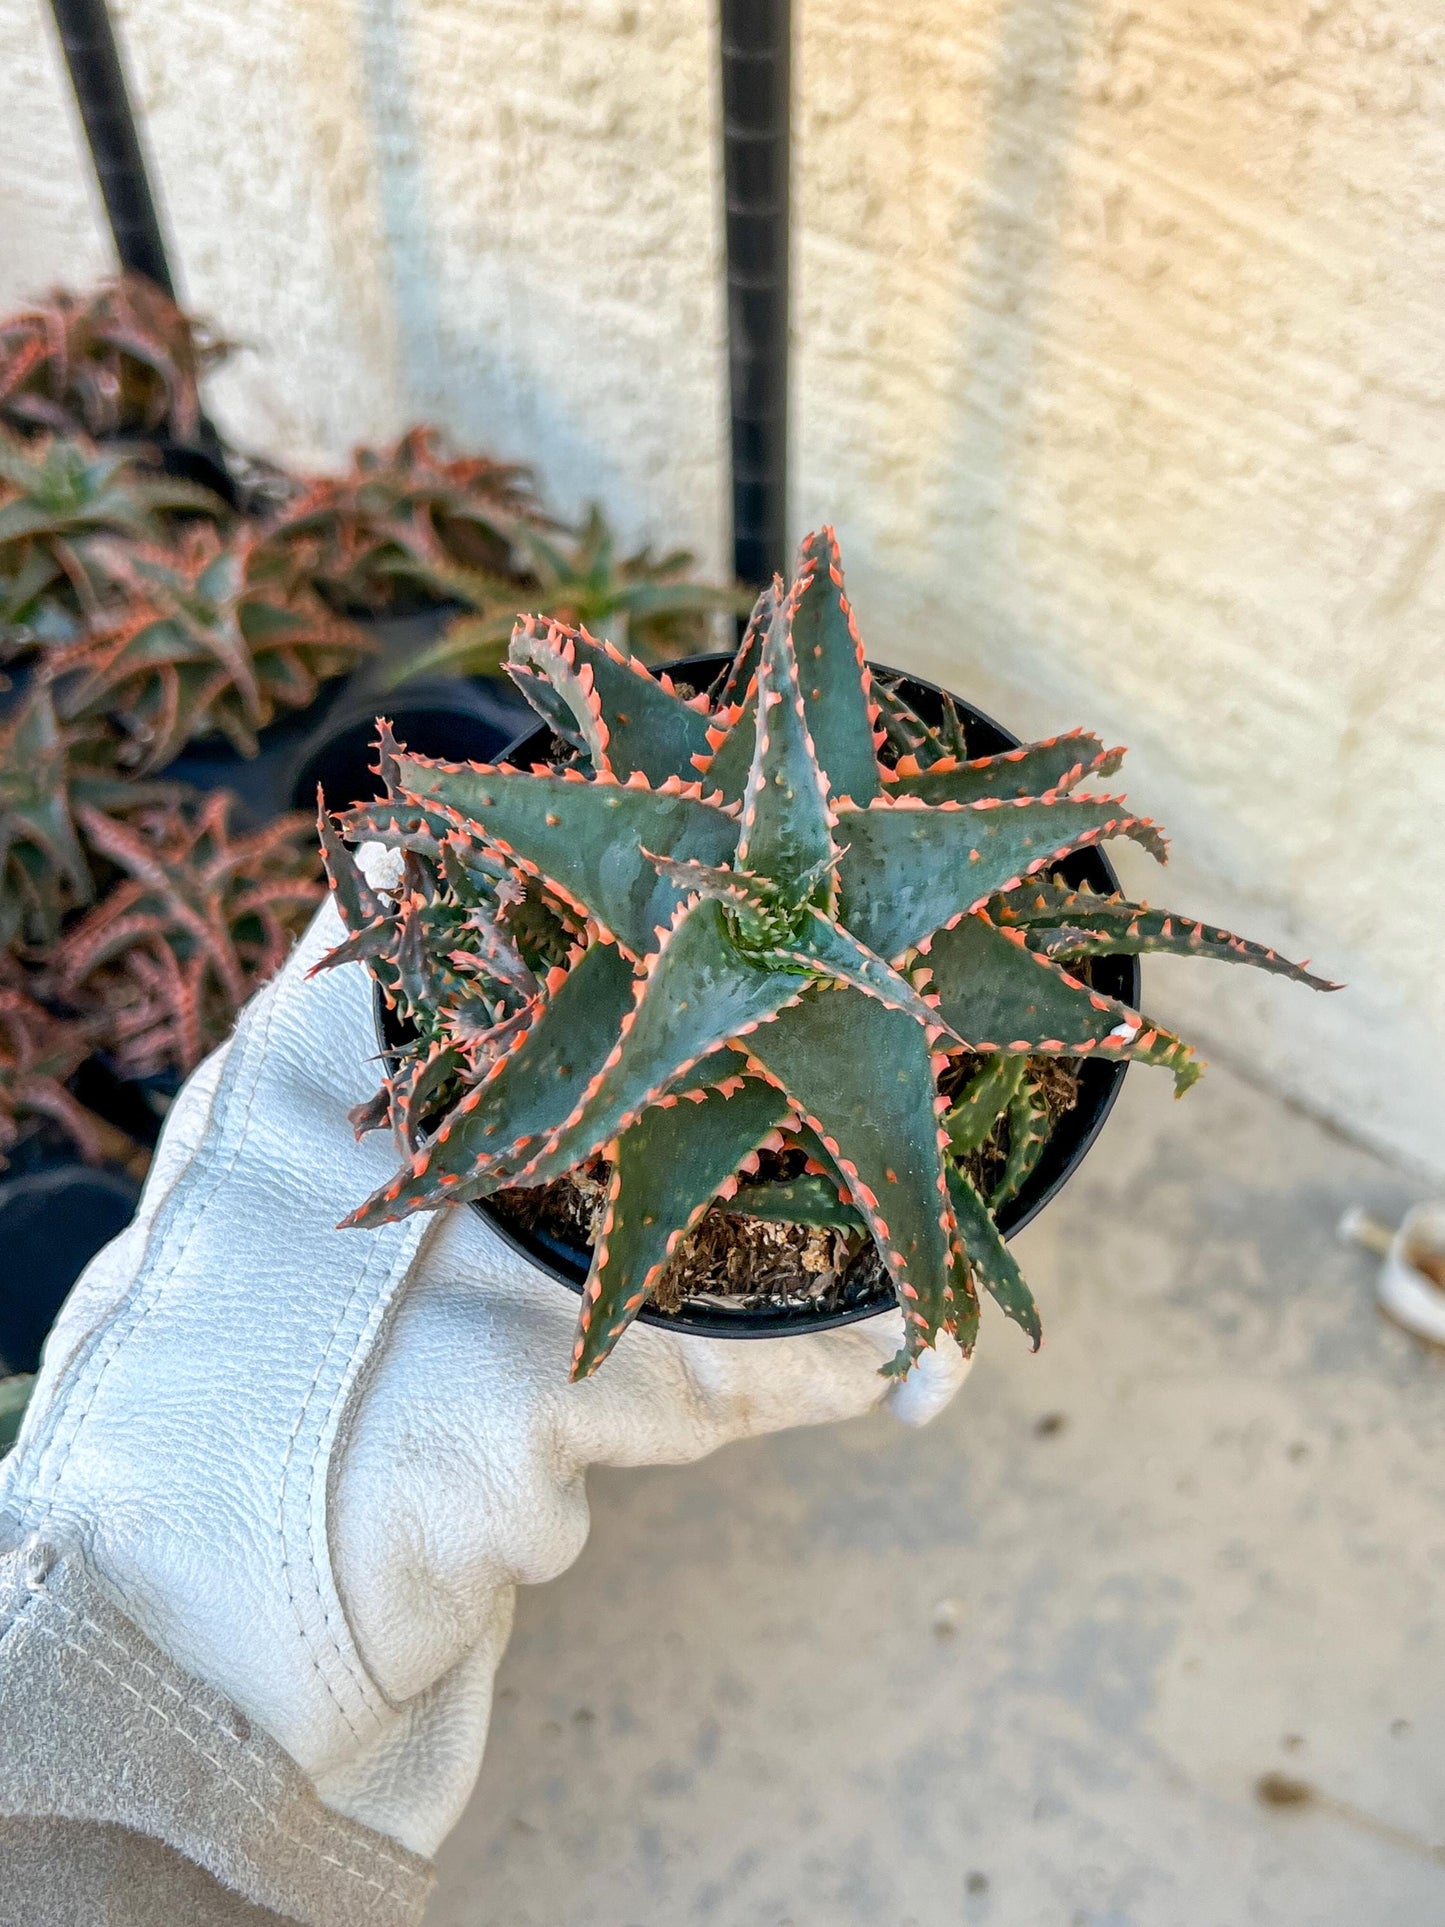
x=100 y=93
x=756 y=85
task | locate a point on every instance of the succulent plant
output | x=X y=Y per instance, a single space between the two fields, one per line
x=56 y=497
x=43 y=867
x=210 y=635
x=649 y=606
x=121 y=360
x=197 y=920
x=728 y=921
x=401 y=514
x=39 y=1052
x=48 y=769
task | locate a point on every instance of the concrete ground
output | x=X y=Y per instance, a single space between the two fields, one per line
x=1028 y=1666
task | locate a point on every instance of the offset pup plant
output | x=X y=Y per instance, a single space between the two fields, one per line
x=785 y=918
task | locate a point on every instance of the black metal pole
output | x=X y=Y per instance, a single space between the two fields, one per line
x=756 y=84
x=100 y=93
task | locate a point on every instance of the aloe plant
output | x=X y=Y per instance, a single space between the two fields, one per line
x=39 y=1052
x=121 y=360
x=56 y=497
x=198 y=917
x=778 y=913
x=649 y=606
x=206 y=636
x=403 y=514
x=47 y=770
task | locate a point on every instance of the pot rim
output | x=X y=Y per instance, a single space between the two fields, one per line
x=1100 y=1082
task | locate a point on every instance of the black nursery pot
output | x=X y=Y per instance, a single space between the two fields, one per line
x=1070 y=1143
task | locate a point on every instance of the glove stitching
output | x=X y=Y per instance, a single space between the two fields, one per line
x=40 y=1595
x=305 y=1846
x=43 y=1491
x=319 y=1551
x=358 y=1680
x=217 y=1724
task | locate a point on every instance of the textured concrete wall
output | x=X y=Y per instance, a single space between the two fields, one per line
x=1122 y=374
x=499 y=217
x=1120 y=371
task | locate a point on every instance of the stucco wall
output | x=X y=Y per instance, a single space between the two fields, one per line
x=1120 y=369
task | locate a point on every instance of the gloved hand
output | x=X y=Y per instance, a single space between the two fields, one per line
x=311 y=1464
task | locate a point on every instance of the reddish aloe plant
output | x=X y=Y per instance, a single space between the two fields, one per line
x=121 y=360
x=198 y=920
x=207 y=636
x=402 y=513
x=38 y=1053
x=56 y=498
x=787 y=911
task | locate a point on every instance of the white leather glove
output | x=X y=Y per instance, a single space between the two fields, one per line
x=311 y=1464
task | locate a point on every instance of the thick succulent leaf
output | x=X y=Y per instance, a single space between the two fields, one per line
x=360 y=907
x=666 y=1170
x=863 y=1077
x=824 y=948
x=695 y=993
x=550 y=706
x=401 y=824
x=1066 y=925
x=951 y=730
x=786 y=835
x=375 y=945
x=472 y=885
x=1000 y=997
x=1035 y=769
x=982 y=1103
x=415 y=1088
x=728 y=768
x=629 y=720
x=903 y=728
x=737 y=683
x=585 y=839
x=908 y=868
x=1047 y=899
x=498 y=957
x=424 y=980
x=732 y=730
x=526 y=1097
x=833 y=672
x=989 y=1257
x=371 y=1114
x=964 y=1323
x=34 y=806
x=809 y=1199
x=709 y=880
x=1028 y=1133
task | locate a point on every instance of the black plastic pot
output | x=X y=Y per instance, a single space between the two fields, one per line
x=459 y=718
x=55 y=1214
x=1071 y=1141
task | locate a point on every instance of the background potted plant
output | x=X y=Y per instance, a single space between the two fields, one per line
x=190 y=638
